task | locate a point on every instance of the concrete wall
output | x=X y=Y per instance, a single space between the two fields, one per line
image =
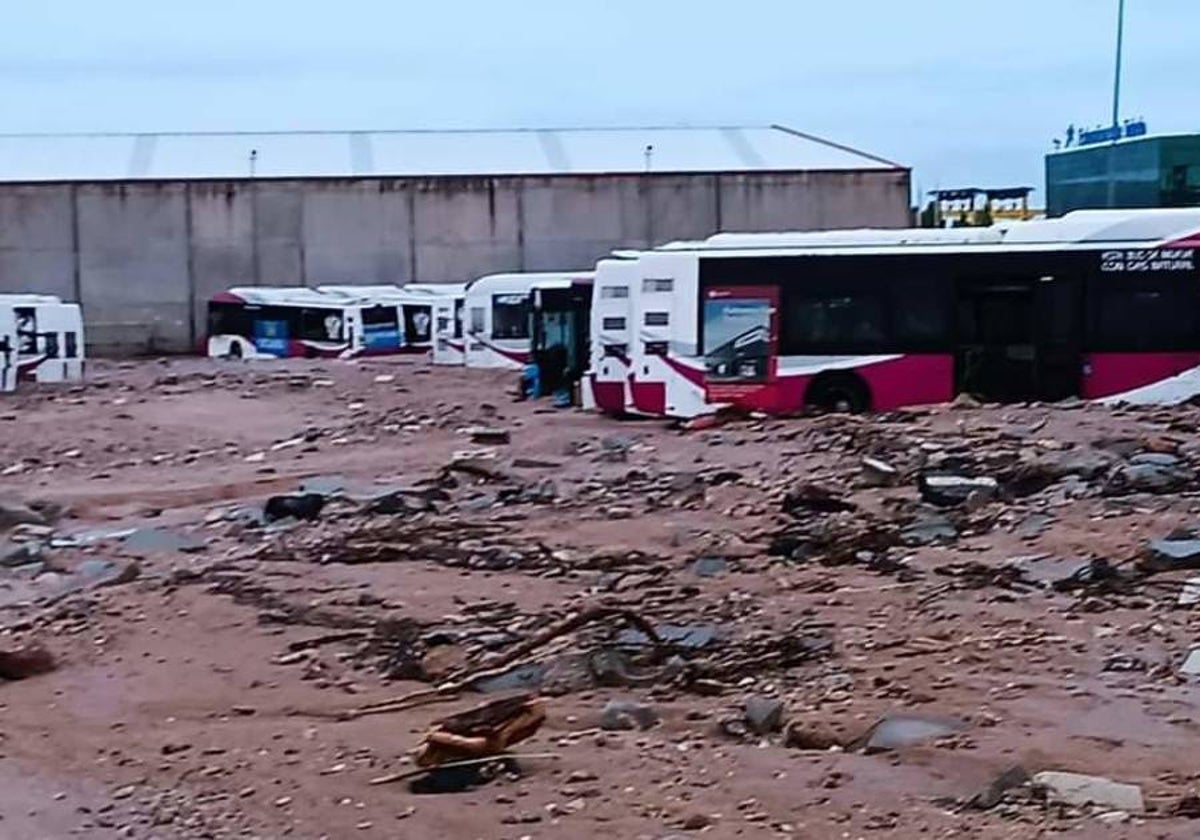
x=144 y=257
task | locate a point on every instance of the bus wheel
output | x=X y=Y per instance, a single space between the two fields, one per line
x=843 y=393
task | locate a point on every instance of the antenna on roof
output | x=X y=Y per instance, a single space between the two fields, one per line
x=649 y=157
x=253 y=162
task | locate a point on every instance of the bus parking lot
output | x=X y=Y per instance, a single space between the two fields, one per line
x=849 y=652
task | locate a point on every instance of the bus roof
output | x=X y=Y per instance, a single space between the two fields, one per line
x=527 y=281
x=451 y=289
x=1083 y=228
x=279 y=296
x=18 y=298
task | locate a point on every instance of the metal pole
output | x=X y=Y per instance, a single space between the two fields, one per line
x=1116 y=112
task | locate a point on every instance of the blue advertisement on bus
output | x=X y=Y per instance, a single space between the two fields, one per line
x=271 y=337
x=382 y=337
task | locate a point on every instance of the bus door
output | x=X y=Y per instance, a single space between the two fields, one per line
x=1058 y=336
x=562 y=334
x=1018 y=339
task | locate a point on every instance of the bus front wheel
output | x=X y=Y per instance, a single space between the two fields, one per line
x=843 y=393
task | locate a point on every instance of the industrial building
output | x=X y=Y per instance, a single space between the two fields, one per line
x=143 y=229
x=1149 y=171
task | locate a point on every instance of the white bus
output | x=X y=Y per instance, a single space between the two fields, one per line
x=499 y=308
x=411 y=328
x=47 y=337
x=448 y=299
x=1097 y=304
x=612 y=313
x=275 y=322
x=8 y=349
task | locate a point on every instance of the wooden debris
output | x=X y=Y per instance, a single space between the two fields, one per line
x=484 y=731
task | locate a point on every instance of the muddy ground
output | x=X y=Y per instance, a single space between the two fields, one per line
x=212 y=670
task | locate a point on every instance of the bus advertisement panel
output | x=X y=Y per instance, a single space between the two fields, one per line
x=739 y=337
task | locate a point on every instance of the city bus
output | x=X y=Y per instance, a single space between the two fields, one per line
x=607 y=385
x=8 y=349
x=46 y=342
x=1097 y=305
x=499 y=308
x=274 y=322
x=395 y=319
x=449 y=347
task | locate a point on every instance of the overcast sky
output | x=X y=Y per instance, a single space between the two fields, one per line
x=965 y=92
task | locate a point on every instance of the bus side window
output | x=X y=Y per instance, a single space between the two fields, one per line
x=50 y=345
x=70 y=345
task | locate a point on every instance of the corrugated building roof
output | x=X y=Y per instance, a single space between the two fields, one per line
x=306 y=154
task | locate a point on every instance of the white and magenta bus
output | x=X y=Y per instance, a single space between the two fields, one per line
x=47 y=341
x=499 y=309
x=607 y=385
x=275 y=322
x=447 y=301
x=395 y=319
x=8 y=349
x=1097 y=305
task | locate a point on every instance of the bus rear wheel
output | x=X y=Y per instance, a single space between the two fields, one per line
x=842 y=393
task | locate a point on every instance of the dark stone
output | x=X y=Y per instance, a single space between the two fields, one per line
x=627 y=715
x=522 y=678
x=1033 y=525
x=95 y=572
x=160 y=539
x=324 y=485
x=993 y=794
x=693 y=637
x=816 y=499
x=390 y=504
x=449 y=780
x=26 y=662
x=708 y=567
x=22 y=554
x=896 y=732
x=1180 y=550
x=929 y=529
x=878 y=473
x=15 y=513
x=303 y=506
x=490 y=437
x=1150 y=472
x=536 y=464
x=615 y=448
x=1096 y=572
x=764 y=715
x=954 y=490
